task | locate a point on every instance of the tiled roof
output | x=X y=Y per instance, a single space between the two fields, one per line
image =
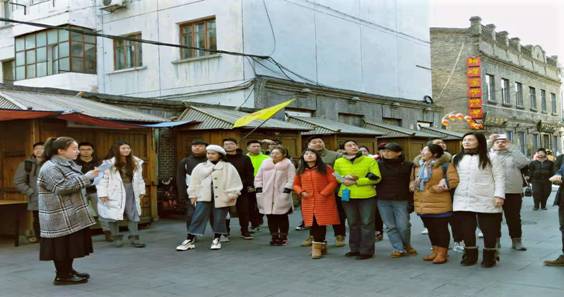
x=212 y=118
x=323 y=126
x=443 y=133
x=392 y=131
x=44 y=101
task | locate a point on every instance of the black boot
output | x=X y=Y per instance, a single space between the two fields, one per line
x=488 y=258
x=470 y=256
x=275 y=241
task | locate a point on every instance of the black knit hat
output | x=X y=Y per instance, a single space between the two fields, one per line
x=199 y=141
x=394 y=147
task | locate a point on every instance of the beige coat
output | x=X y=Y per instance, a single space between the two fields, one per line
x=226 y=184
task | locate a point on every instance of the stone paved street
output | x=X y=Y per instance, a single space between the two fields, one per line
x=253 y=268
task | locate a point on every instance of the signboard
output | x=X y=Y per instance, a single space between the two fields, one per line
x=474 y=82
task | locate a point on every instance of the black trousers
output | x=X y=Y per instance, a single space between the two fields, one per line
x=512 y=212
x=541 y=191
x=255 y=217
x=561 y=217
x=489 y=224
x=64 y=268
x=278 y=224
x=36 y=228
x=378 y=223
x=455 y=229
x=438 y=231
x=340 y=229
x=318 y=232
x=243 y=212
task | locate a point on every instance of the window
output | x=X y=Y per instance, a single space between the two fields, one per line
x=506 y=99
x=553 y=103
x=546 y=141
x=543 y=101
x=128 y=54
x=351 y=119
x=535 y=142
x=490 y=88
x=555 y=144
x=392 y=121
x=8 y=72
x=533 y=96
x=54 y=51
x=509 y=134
x=522 y=142
x=200 y=34
x=424 y=124
x=519 y=93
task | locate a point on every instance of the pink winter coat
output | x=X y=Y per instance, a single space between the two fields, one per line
x=274 y=179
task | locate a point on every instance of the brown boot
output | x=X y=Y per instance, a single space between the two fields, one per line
x=316 y=250
x=432 y=255
x=410 y=250
x=442 y=256
x=324 y=248
x=307 y=241
x=340 y=241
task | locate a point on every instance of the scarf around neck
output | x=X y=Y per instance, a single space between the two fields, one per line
x=425 y=173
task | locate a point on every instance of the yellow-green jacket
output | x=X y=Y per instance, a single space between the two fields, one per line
x=367 y=171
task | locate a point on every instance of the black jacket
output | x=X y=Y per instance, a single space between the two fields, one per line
x=87 y=166
x=396 y=175
x=244 y=167
x=185 y=167
x=540 y=172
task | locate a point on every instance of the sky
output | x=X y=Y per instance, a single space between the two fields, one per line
x=536 y=22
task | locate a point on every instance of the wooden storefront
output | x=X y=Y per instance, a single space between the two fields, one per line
x=216 y=124
x=335 y=133
x=18 y=136
x=412 y=141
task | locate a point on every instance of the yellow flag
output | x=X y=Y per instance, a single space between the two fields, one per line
x=263 y=114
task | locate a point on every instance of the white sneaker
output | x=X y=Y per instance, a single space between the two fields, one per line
x=186 y=245
x=458 y=247
x=224 y=238
x=216 y=244
x=425 y=231
x=480 y=234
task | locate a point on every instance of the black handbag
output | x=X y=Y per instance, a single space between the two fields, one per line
x=528 y=191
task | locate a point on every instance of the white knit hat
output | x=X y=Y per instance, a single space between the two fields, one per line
x=215 y=148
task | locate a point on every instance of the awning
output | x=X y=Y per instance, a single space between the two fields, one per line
x=92 y=121
x=12 y=115
x=171 y=124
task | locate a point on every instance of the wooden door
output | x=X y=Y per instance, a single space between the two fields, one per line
x=15 y=146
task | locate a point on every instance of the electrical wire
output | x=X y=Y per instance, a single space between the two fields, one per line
x=271 y=28
x=116 y=37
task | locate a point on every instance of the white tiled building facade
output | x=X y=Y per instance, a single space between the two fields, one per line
x=374 y=47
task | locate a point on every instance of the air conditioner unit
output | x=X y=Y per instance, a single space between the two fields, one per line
x=111 y=5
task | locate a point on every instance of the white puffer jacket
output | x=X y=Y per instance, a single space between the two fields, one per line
x=227 y=184
x=478 y=187
x=111 y=186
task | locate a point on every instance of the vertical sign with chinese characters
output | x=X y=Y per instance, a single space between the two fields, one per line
x=474 y=79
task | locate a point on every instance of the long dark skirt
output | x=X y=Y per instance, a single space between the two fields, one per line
x=75 y=245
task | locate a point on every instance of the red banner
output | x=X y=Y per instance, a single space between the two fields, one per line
x=474 y=92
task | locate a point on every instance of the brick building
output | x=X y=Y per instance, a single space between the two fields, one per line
x=517 y=87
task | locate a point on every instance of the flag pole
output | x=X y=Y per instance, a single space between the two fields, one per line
x=254 y=129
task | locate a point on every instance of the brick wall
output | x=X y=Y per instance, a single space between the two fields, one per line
x=166 y=154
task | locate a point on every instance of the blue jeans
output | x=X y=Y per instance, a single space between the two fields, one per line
x=201 y=216
x=396 y=219
x=360 y=215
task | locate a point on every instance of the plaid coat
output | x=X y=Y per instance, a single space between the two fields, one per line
x=62 y=200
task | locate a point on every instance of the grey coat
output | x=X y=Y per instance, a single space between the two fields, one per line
x=62 y=198
x=26 y=182
x=513 y=161
x=329 y=157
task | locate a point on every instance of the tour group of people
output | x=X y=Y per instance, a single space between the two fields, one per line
x=68 y=187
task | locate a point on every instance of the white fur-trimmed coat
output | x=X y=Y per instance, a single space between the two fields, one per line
x=111 y=186
x=227 y=184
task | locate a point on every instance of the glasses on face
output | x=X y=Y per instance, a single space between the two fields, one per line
x=541 y=157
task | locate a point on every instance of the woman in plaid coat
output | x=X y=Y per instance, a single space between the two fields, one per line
x=63 y=211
